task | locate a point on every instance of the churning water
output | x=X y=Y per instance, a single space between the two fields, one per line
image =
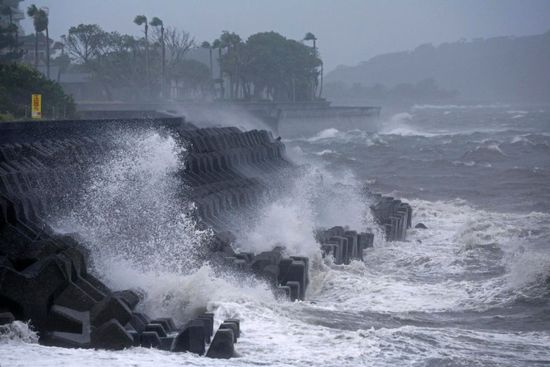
x=471 y=290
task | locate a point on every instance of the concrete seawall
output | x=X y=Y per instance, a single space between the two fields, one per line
x=44 y=276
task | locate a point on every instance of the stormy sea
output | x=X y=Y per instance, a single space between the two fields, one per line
x=473 y=289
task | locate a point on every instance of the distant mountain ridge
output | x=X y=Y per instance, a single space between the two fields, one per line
x=494 y=69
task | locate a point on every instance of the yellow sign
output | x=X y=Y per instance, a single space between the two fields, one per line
x=37 y=106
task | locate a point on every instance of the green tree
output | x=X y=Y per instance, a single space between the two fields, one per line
x=232 y=60
x=9 y=36
x=217 y=44
x=17 y=84
x=208 y=46
x=9 y=43
x=311 y=37
x=142 y=20
x=85 y=43
x=40 y=23
x=279 y=68
x=156 y=22
x=192 y=78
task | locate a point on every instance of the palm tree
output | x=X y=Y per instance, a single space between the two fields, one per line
x=311 y=37
x=40 y=23
x=218 y=44
x=232 y=42
x=8 y=11
x=45 y=14
x=142 y=20
x=156 y=22
x=207 y=45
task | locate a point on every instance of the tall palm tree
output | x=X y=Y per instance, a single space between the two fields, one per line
x=156 y=22
x=142 y=20
x=219 y=45
x=208 y=46
x=311 y=37
x=8 y=11
x=44 y=13
x=40 y=23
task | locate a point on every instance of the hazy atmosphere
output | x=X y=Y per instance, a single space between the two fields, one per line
x=349 y=31
x=241 y=183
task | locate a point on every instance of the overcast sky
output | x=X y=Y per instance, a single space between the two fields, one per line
x=349 y=31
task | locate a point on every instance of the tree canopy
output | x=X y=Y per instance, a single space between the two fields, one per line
x=19 y=82
x=9 y=45
x=270 y=66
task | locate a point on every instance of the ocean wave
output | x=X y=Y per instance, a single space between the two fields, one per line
x=487 y=152
x=326 y=152
x=521 y=139
x=458 y=107
x=467 y=259
x=330 y=133
x=17 y=332
x=399 y=124
x=517 y=112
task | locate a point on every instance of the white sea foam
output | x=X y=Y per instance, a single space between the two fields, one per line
x=130 y=208
x=467 y=260
x=17 y=332
x=400 y=124
x=316 y=198
x=522 y=139
x=325 y=134
x=326 y=152
x=458 y=107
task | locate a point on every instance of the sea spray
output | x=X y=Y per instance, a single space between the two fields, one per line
x=18 y=331
x=314 y=198
x=133 y=208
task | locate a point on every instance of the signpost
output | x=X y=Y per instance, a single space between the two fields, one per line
x=37 y=106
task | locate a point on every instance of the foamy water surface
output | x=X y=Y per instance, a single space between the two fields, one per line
x=471 y=290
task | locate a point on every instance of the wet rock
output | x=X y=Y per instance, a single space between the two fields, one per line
x=166 y=322
x=129 y=297
x=238 y=323
x=222 y=345
x=76 y=298
x=157 y=328
x=6 y=318
x=72 y=328
x=111 y=335
x=208 y=319
x=149 y=339
x=137 y=323
x=192 y=338
x=294 y=290
x=110 y=308
x=166 y=343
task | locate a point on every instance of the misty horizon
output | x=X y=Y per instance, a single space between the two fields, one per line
x=372 y=28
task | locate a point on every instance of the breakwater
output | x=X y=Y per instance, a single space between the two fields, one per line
x=46 y=277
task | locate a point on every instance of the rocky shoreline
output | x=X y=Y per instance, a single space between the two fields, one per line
x=45 y=277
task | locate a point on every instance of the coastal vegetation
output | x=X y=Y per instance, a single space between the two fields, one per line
x=165 y=62
x=18 y=82
x=267 y=66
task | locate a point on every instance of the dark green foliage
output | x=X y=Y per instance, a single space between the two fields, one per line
x=19 y=82
x=8 y=44
x=8 y=36
x=271 y=66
